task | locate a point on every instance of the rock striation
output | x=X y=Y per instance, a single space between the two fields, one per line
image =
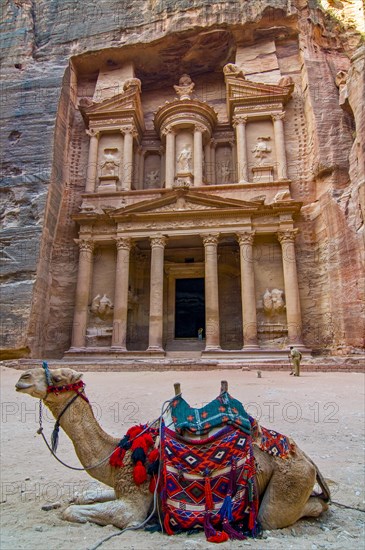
x=54 y=56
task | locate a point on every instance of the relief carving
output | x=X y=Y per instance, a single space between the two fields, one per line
x=102 y=307
x=184 y=159
x=273 y=301
x=153 y=178
x=262 y=149
x=233 y=70
x=109 y=166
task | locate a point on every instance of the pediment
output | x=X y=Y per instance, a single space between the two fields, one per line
x=177 y=202
x=245 y=93
x=126 y=103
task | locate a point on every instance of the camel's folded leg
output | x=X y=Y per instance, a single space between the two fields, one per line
x=91 y=496
x=120 y=513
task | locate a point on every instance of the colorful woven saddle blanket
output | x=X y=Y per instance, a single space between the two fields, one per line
x=221 y=411
x=209 y=483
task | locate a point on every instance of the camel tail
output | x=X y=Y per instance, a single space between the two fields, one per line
x=326 y=493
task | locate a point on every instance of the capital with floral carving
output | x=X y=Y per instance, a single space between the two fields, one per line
x=93 y=133
x=129 y=130
x=168 y=130
x=278 y=116
x=239 y=119
x=211 y=238
x=246 y=237
x=123 y=243
x=200 y=128
x=287 y=236
x=158 y=241
x=85 y=245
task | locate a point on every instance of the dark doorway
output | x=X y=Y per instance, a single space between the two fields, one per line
x=189 y=308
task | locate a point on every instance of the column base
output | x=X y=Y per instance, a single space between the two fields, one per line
x=212 y=348
x=118 y=348
x=250 y=347
x=155 y=348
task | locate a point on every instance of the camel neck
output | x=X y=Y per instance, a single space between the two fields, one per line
x=92 y=444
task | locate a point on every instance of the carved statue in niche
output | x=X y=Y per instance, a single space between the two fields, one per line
x=262 y=149
x=273 y=301
x=341 y=83
x=109 y=166
x=153 y=178
x=185 y=87
x=102 y=307
x=184 y=159
x=225 y=171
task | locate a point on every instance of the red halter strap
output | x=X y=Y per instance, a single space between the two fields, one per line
x=69 y=387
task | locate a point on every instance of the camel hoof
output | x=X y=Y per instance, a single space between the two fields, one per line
x=71 y=514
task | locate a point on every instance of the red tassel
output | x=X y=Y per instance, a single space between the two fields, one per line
x=116 y=459
x=252 y=517
x=218 y=537
x=139 y=473
x=134 y=431
x=231 y=532
x=166 y=524
x=154 y=455
x=152 y=485
x=208 y=495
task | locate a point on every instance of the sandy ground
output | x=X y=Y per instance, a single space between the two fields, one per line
x=324 y=413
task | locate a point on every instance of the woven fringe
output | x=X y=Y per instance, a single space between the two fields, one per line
x=166 y=524
x=54 y=437
x=208 y=494
x=231 y=532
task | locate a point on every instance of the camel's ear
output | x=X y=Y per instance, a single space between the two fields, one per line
x=77 y=376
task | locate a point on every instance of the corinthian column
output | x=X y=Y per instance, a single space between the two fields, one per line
x=213 y=144
x=211 y=293
x=248 y=294
x=170 y=157
x=121 y=294
x=239 y=122
x=82 y=292
x=293 y=314
x=92 y=163
x=198 y=154
x=156 y=293
x=129 y=132
x=280 y=145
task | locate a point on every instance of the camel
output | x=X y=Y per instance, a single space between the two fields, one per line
x=285 y=486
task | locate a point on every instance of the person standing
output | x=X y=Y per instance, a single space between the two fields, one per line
x=295 y=356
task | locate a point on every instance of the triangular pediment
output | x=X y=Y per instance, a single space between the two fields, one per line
x=245 y=93
x=125 y=104
x=177 y=201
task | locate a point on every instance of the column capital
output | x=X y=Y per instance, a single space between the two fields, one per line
x=239 y=119
x=246 y=237
x=92 y=132
x=129 y=129
x=85 y=245
x=168 y=130
x=278 y=116
x=199 y=128
x=211 y=238
x=287 y=236
x=123 y=243
x=158 y=241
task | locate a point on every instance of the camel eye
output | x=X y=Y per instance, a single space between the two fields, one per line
x=26 y=375
x=57 y=378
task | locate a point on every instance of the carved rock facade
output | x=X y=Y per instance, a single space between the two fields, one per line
x=202 y=156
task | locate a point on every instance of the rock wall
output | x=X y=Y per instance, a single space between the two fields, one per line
x=47 y=45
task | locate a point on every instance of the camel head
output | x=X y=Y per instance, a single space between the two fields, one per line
x=33 y=381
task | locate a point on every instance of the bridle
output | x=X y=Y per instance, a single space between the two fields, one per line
x=79 y=388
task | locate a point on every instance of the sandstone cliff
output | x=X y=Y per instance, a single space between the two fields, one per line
x=47 y=44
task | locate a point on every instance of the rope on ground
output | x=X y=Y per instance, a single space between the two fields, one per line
x=345 y=506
